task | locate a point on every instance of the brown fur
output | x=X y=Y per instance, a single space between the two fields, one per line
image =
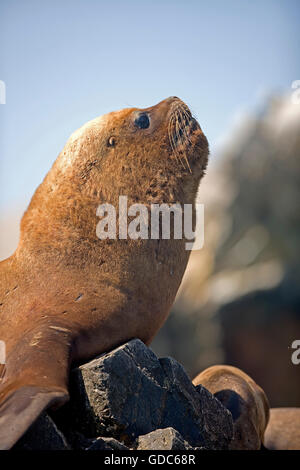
x=245 y=400
x=283 y=430
x=65 y=294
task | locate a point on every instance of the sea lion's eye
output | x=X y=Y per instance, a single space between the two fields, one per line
x=142 y=121
x=111 y=142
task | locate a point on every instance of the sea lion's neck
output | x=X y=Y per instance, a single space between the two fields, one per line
x=61 y=220
x=61 y=214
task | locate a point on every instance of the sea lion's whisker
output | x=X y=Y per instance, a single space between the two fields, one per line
x=178 y=134
x=186 y=159
x=184 y=134
x=187 y=120
x=172 y=126
x=182 y=137
x=179 y=139
x=187 y=141
x=171 y=138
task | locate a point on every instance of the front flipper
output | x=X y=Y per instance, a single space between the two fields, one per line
x=21 y=408
x=36 y=378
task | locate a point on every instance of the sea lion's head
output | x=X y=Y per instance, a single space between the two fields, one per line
x=162 y=134
x=140 y=152
x=152 y=155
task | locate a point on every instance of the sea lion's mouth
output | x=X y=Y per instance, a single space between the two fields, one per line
x=181 y=127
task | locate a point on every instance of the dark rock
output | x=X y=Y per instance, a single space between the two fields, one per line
x=162 y=439
x=130 y=392
x=42 y=435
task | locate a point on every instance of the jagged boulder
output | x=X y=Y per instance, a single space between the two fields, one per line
x=129 y=392
x=129 y=398
x=43 y=434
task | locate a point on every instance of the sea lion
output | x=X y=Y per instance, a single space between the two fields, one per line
x=66 y=295
x=245 y=400
x=283 y=430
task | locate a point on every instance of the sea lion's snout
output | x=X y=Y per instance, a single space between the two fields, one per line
x=181 y=121
x=184 y=132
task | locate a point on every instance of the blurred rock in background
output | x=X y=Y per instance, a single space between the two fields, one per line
x=239 y=301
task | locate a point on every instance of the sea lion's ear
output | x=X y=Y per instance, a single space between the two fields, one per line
x=21 y=408
x=111 y=142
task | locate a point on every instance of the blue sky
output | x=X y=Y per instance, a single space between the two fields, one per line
x=65 y=62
